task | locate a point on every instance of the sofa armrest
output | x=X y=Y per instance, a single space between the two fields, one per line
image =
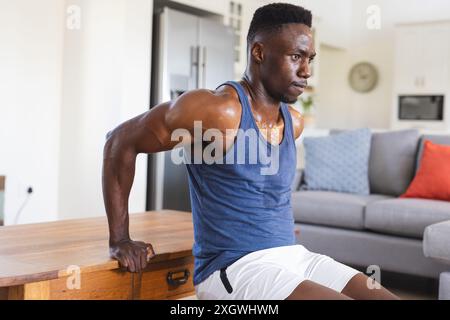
x=298 y=179
x=436 y=241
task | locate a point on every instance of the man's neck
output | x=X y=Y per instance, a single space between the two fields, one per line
x=265 y=108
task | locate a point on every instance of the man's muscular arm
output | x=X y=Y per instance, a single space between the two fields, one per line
x=149 y=132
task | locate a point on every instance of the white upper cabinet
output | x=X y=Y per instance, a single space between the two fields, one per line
x=238 y=17
x=332 y=20
x=214 y=6
x=407 y=57
x=422 y=59
x=436 y=53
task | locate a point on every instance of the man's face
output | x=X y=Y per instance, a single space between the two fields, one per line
x=285 y=66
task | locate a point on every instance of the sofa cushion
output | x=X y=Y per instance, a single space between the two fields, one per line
x=392 y=160
x=438 y=139
x=338 y=162
x=405 y=217
x=297 y=181
x=331 y=208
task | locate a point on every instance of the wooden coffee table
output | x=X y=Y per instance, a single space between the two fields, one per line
x=70 y=259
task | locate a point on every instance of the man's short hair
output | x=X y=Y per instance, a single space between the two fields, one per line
x=272 y=17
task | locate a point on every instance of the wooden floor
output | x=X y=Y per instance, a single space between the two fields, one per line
x=413 y=295
x=411 y=288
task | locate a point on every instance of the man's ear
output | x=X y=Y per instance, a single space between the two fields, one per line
x=258 y=52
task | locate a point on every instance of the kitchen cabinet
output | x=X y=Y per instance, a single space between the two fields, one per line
x=238 y=16
x=422 y=67
x=422 y=56
x=218 y=7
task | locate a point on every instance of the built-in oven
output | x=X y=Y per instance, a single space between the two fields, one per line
x=421 y=107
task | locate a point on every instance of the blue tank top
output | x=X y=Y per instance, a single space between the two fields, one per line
x=236 y=209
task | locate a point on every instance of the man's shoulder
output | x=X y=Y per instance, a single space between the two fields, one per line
x=294 y=112
x=216 y=108
x=297 y=121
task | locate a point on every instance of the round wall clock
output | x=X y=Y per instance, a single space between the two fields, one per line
x=363 y=77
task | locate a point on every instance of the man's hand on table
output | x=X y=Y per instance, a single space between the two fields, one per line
x=132 y=255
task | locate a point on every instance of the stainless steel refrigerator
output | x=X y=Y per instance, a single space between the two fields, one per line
x=189 y=52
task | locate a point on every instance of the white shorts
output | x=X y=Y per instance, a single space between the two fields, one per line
x=273 y=274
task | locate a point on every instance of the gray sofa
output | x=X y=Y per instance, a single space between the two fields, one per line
x=380 y=229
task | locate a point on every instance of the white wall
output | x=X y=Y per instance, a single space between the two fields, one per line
x=106 y=81
x=31 y=37
x=332 y=98
x=333 y=18
x=340 y=107
x=61 y=91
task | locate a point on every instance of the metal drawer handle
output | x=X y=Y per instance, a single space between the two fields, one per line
x=178 y=281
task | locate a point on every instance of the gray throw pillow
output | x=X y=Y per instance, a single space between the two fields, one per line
x=338 y=162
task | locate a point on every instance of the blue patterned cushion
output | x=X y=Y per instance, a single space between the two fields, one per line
x=338 y=162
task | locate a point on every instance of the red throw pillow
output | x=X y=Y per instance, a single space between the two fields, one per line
x=432 y=180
